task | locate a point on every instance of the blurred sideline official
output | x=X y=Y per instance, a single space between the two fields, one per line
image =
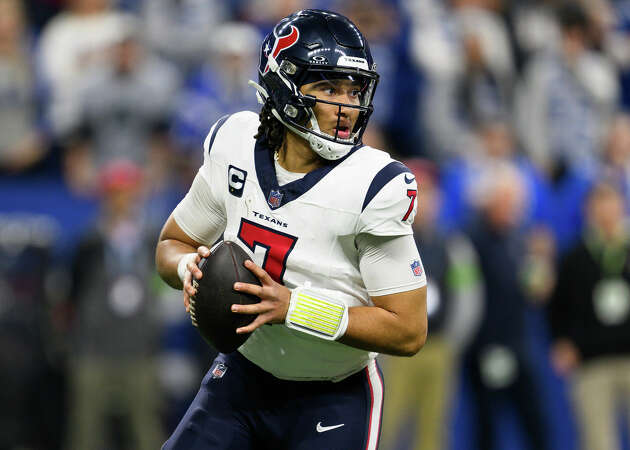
x=590 y=319
x=422 y=387
x=115 y=329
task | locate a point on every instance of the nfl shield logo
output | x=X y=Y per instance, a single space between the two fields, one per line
x=275 y=198
x=219 y=370
x=417 y=268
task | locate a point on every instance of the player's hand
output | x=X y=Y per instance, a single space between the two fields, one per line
x=274 y=299
x=192 y=270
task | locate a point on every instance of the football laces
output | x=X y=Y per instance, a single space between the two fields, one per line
x=191 y=306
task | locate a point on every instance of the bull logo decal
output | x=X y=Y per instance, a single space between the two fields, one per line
x=282 y=43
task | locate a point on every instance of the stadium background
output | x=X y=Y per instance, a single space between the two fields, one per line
x=101 y=97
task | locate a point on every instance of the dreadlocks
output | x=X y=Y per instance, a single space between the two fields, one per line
x=270 y=130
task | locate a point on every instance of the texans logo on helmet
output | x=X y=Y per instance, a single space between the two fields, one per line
x=282 y=43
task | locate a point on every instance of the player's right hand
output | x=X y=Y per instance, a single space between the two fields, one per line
x=192 y=270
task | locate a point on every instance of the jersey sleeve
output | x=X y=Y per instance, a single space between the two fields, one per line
x=201 y=213
x=390 y=265
x=390 y=203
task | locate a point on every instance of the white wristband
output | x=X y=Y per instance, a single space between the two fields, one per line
x=316 y=313
x=183 y=262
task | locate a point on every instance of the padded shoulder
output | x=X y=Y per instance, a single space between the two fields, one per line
x=388 y=195
x=229 y=134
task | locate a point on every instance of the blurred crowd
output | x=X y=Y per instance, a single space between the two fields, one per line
x=513 y=114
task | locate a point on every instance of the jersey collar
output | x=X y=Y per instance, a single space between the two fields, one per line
x=278 y=196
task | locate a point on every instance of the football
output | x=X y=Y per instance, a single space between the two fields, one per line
x=210 y=308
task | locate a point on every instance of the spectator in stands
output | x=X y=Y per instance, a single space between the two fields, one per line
x=31 y=370
x=422 y=387
x=21 y=141
x=535 y=28
x=615 y=164
x=265 y=14
x=72 y=43
x=41 y=11
x=182 y=31
x=590 y=319
x=493 y=146
x=617 y=44
x=122 y=105
x=498 y=361
x=116 y=327
x=219 y=87
x=490 y=64
x=463 y=52
x=168 y=174
x=567 y=95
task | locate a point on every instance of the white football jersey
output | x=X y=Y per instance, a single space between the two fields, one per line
x=304 y=231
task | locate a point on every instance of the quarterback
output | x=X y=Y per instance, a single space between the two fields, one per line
x=327 y=222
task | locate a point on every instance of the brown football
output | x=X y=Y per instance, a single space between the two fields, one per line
x=210 y=309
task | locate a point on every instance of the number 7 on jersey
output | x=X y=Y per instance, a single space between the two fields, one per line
x=411 y=193
x=277 y=246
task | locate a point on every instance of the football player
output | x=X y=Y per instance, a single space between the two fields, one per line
x=327 y=222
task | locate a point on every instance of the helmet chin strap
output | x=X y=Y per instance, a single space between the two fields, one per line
x=324 y=148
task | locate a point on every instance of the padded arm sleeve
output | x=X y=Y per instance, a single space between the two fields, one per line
x=389 y=265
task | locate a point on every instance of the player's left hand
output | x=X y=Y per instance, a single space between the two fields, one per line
x=274 y=299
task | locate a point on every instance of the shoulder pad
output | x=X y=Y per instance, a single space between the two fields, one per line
x=384 y=176
x=231 y=125
x=230 y=138
x=389 y=205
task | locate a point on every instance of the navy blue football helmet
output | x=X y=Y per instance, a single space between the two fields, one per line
x=307 y=46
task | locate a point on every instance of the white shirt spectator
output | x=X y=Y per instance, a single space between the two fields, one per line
x=71 y=44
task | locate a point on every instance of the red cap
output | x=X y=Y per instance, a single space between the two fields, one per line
x=120 y=174
x=424 y=170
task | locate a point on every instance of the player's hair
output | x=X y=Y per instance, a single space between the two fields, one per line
x=270 y=130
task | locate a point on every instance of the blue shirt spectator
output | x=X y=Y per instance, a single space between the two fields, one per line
x=219 y=87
